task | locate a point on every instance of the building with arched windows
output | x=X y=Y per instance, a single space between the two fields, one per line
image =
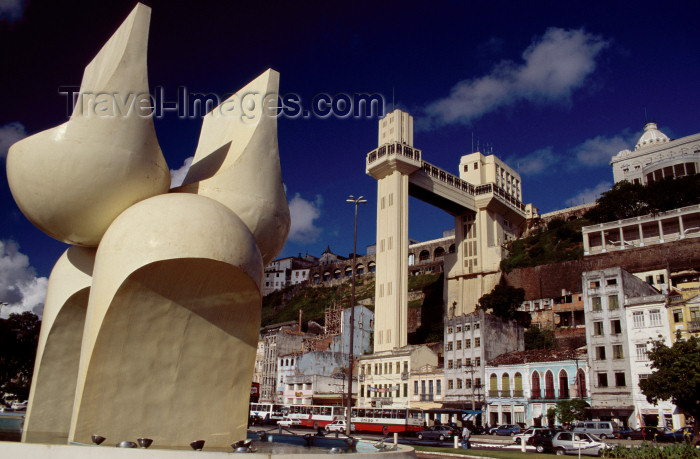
x=522 y=386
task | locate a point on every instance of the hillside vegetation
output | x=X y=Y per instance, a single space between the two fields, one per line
x=560 y=241
x=314 y=299
x=627 y=200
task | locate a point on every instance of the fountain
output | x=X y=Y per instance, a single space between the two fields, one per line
x=151 y=316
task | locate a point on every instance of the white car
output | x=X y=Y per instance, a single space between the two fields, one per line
x=19 y=406
x=577 y=443
x=339 y=426
x=288 y=422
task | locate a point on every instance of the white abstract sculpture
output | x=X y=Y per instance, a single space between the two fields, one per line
x=73 y=180
x=171 y=324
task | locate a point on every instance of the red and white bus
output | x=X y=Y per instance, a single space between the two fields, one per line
x=268 y=412
x=314 y=415
x=387 y=420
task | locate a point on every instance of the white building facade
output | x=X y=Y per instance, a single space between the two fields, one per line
x=647 y=319
x=656 y=157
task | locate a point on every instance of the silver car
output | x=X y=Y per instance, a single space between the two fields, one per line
x=573 y=442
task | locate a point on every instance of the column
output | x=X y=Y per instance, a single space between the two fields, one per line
x=641 y=235
x=680 y=227
x=602 y=238
x=622 y=239
x=661 y=231
x=392 y=262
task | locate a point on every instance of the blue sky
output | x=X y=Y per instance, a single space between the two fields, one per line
x=553 y=88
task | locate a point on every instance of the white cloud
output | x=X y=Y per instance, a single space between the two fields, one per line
x=10 y=132
x=599 y=150
x=553 y=67
x=11 y=9
x=178 y=175
x=589 y=194
x=19 y=285
x=303 y=213
x=537 y=162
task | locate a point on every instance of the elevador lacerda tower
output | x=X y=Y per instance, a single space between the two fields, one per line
x=485 y=200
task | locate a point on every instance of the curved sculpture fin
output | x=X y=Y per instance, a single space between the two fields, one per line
x=73 y=180
x=237 y=163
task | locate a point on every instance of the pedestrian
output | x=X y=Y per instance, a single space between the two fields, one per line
x=465 y=438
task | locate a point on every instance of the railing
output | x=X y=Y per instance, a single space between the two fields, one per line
x=426 y=397
x=489 y=188
x=694 y=325
x=447 y=178
x=441 y=175
x=394 y=149
x=404 y=376
x=505 y=393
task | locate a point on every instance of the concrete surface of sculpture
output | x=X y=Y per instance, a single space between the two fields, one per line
x=58 y=353
x=73 y=180
x=154 y=333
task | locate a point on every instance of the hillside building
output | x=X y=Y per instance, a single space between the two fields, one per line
x=656 y=157
x=470 y=341
x=522 y=386
x=384 y=376
x=620 y=312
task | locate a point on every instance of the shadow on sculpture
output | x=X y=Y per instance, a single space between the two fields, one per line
x=150 y=330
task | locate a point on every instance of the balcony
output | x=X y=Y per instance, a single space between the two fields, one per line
x=391 y=149
x=694 y=325
x=404 y=376
x=505 y=393
x=426 y=397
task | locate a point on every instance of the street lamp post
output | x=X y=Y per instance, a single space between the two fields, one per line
x=356 y=202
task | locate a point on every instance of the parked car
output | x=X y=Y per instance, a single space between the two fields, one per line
x=492 y=430
x=19 y=406
x=439 y=432
x=527 y=434
x=575 y=443
x=508 y=429
x=648 y=433
x=289 y=422
x=476 y=430
x=339 y=426
x=683 y=434
x=602 y=429
x=542 y=440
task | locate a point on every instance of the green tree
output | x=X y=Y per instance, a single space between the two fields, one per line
x=503 y=302
x=625 y=199
x=569 y=411
x=675 y=376
x=539 y=338
x=551 y=416
x=19 y=335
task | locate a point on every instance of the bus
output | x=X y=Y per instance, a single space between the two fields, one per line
x=314 y=415
x=268 y=412
x=387 y=420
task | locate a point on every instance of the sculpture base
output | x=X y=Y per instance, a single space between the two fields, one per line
x=38 y=451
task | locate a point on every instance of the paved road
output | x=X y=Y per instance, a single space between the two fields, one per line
x=478 y=442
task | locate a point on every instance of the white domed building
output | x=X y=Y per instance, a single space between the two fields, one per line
x=656 y=157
